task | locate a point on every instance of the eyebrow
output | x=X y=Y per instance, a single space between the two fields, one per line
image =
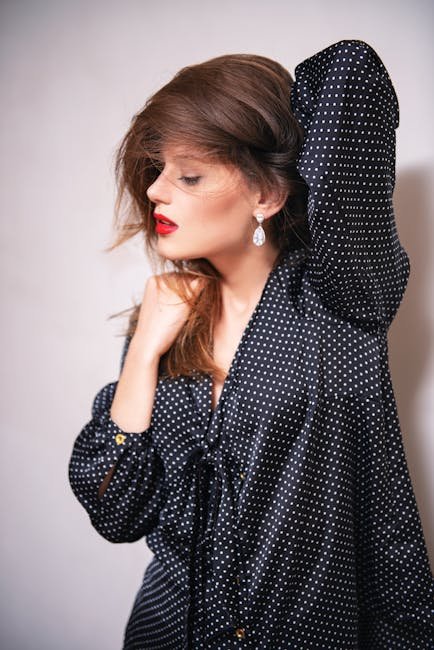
x=189 y=157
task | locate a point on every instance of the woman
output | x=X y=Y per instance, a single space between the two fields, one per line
x=252 y=436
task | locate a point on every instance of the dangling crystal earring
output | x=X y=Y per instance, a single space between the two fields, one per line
x=259 y=234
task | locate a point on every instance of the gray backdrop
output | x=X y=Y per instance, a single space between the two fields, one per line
x=72 y=75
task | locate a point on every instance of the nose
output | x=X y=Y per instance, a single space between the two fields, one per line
x=158 y=191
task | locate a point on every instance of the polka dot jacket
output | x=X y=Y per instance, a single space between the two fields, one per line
x=285 y=517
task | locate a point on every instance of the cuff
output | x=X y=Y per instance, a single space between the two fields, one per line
x=116 y=441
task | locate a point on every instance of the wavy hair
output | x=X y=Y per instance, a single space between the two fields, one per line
x=235 y=109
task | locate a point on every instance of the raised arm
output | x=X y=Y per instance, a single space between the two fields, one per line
x=344 y=99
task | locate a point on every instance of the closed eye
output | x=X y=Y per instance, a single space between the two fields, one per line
x=190 y=180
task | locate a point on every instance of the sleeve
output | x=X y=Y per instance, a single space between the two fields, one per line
x=346 y=104
x=130 y=505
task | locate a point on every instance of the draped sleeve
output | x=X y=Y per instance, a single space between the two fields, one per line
x=130 y=505
x=345 y=101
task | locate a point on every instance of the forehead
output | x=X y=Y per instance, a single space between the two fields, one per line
x=181 y=155
x=186 y=153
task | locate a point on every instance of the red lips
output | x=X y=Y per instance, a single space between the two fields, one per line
x=164 y=225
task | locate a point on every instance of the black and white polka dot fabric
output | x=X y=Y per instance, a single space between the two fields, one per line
x=285 y=518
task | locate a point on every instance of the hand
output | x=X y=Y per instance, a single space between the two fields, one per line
x=162 y=315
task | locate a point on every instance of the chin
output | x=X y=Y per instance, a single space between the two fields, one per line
x=172 y=256
x=175 y=253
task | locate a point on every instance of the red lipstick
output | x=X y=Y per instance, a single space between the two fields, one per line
x=164 y=225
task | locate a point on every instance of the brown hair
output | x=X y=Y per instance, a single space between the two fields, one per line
x=236 y=110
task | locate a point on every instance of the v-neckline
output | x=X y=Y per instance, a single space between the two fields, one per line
x=209 y=386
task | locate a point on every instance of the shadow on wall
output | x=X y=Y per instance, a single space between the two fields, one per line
x=411 y=338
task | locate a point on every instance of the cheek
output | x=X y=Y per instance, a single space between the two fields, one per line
x=225 y=214
x=209 y=225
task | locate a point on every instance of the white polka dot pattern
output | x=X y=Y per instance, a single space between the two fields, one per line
x=285 y=518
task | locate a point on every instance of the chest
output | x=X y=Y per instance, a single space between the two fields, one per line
x=227 y=337
x=279 y=369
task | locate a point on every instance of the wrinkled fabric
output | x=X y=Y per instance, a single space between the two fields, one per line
x=285 y=518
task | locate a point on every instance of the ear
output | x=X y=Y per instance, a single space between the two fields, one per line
x=270 y=204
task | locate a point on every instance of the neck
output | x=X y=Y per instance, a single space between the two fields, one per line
x=244 y=276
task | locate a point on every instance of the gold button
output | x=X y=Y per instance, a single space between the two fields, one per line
x=240 y=633
x=237 y=579
x=120 y=439
x=242 y=476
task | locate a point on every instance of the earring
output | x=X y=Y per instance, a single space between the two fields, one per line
x=259 y=234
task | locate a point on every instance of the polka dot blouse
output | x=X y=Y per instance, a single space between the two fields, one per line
x=285 y=517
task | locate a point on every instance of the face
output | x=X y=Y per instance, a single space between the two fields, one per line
x=210 y=203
